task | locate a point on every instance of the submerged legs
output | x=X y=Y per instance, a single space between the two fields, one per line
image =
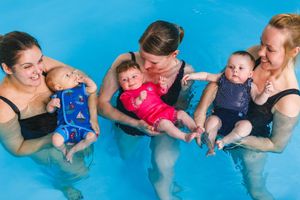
x=165 y=151
x=62 y=173
x=251 y=164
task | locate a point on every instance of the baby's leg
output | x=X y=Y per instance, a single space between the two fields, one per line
x=186 y=120
x=241 y=129
x=89 y=139
x=59 y=142
x=212 y=125
x=168 y=127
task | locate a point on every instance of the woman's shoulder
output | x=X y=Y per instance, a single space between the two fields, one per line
x=289 y=105
x=6 y=112
x=188 y=69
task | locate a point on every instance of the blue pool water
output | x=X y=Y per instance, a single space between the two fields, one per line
x=90 y=34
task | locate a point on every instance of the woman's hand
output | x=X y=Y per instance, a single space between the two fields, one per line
x=269 y=88
x=53 y=104
x=146 y=128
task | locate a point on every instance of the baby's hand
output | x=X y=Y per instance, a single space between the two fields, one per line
x=163 y=82
x=269 y=88
x=187 y=78
x=143 y=95
x=81 y=78
x=54 y=103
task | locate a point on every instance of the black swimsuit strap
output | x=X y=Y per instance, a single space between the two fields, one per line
x=132 y=56
x=172 y=96
x=12 y=105
x=275 y=98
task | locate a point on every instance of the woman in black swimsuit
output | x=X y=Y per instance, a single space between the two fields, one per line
x=157 y=57
x=25 y=126
x=280 y=46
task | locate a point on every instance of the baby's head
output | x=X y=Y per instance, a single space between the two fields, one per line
x=239 y=67
x=62 y=78
x=129 y=75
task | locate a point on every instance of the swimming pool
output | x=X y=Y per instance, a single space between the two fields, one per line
x=90 y=34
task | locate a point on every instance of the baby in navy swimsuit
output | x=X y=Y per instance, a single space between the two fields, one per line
x=144 y=100
x=75 y=125
x=235 y=89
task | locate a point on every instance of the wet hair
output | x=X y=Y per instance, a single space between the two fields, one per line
x=12 y=43
x=247 y=54
x=126 y=65
x=161 y=38
x=291 y=24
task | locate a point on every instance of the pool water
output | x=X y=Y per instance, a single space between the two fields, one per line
x=90 y=34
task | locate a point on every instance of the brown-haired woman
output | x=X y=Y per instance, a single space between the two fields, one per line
x=157 y=57
x=276 y=56
x=25 y=125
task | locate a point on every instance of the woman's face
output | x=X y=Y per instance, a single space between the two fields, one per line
x=272 y=51
x=156 y=64
x=29 y=67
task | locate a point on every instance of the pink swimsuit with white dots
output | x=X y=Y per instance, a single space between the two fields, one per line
x=152 y=109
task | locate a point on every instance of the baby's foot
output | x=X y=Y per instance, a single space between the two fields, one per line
x=72 y=193
x=189 y=137
x=220 y=144
x=199 y=130
x=64 y=151
x=198 y=141
x=210 y=152
x=69 y=156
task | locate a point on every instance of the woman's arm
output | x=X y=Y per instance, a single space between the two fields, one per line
x=50 y=63
x=92 y=104
x=206 y=100
x=281 y=133
x=285 y=118
x=13 y=141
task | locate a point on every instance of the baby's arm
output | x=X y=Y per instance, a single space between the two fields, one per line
x=139 y=100
x=201 y=76
x=91 y=86
x=261 y=98
x=91 y=89
x=52 y=105
x=163 y=85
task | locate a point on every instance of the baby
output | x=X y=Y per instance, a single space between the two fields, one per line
x=144 y=100
x=77 y=118
x=235 y=89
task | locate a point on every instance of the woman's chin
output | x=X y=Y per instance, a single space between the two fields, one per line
x=35 y=83
x=265 y=65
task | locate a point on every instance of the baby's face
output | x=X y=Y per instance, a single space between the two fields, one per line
x=131 y=79
x=67 y=78
x=238 y=69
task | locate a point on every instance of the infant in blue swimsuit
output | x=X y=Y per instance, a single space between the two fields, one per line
x=75 y=124
x=235 y=90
